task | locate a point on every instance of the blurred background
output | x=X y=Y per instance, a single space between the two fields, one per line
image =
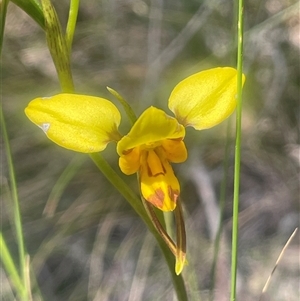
x=84 y=240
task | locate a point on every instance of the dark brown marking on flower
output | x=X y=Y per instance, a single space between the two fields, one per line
x=157 y=199
x=163 y=167
x=173 y=194
x=154 y=175
x=127 y=151
x=150 y=174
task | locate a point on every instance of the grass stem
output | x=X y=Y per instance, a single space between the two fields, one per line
x=235 y=224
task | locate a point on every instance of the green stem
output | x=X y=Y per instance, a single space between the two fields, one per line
x=73 y=12
x=10 y=267
x=16 y=207
x=137 y=205
x=235 y=225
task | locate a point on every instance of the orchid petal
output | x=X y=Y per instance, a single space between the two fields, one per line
x=78 y=122
x=205 y=99
x=175 y=150
x=130 y=162
x=153 y=126
x=159 y=186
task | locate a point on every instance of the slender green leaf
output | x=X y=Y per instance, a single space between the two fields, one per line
x=10 y=267
x=33 y=9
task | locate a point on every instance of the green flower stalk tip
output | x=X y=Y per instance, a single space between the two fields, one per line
x=87 y=124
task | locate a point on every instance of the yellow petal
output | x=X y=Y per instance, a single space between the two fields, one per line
x=175 y=150
x=130 y=162
x=206 y=98
x=78 y=122
x=151 y=127
x=159 y=186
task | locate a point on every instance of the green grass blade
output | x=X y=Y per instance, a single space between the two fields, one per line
x=33 y=9
x=73 y=12
x=10 y=267
x=235 y=225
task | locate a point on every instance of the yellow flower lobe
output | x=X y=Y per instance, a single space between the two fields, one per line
x=205 y=99
x=78 y=122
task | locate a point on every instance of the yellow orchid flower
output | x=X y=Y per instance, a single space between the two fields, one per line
x=153 y=142
x=87 y=124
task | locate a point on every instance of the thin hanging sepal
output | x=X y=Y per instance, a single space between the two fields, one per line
x=181 y=239
x=158 y=226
